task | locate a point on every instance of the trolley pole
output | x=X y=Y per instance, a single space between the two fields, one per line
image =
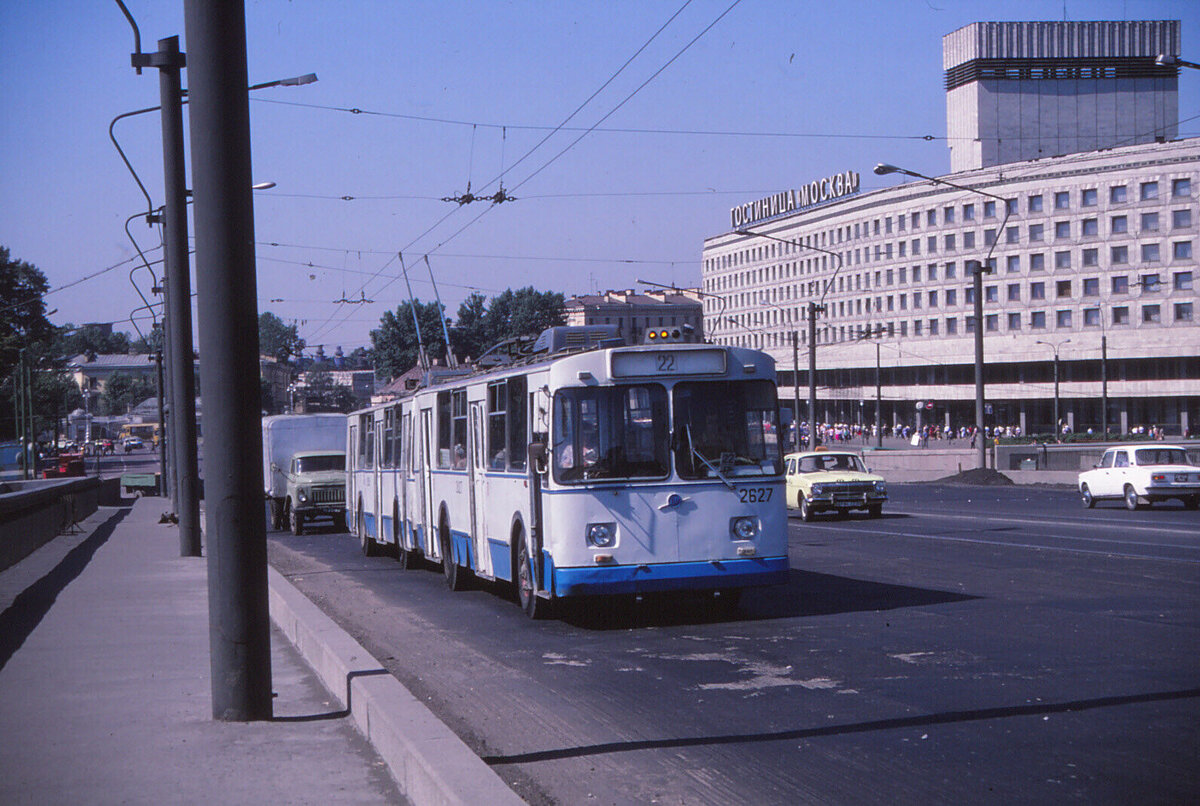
x=239 y=624
x=812 y=375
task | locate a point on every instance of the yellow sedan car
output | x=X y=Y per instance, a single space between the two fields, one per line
x=832 y=481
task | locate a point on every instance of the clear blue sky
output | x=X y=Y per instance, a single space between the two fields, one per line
x=863 y=78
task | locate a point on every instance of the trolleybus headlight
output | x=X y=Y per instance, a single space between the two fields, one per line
x=743 y=528
x=602 y=535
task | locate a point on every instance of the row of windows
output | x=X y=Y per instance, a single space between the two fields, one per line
x=1151 y=283
x=1034 y=203
x=1064 y=319
x=1034 y=263
x=1063 y=231
x=506 y=430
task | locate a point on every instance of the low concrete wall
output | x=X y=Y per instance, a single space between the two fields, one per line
x=34 y=512
x=920 y=464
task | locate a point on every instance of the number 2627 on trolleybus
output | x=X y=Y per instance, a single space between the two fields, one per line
x=588 y=470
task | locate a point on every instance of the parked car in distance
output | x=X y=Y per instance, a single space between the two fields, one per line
x=1142 y=473
x=832 y=481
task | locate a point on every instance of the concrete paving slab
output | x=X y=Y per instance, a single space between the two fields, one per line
x=105 y=688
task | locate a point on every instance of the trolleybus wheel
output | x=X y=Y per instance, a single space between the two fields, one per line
x=456 y=576
x=402 y=554
x=369 y=547
x=527 y=597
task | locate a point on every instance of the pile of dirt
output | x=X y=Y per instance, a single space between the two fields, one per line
x=979 y=477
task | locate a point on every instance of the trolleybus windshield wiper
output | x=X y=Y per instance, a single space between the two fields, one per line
x=687 y=429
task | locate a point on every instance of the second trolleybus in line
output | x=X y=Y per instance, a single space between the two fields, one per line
x=582 y=468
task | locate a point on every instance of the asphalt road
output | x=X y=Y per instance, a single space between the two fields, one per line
x=975 y=644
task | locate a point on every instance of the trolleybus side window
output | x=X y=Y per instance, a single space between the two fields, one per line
x=497 y=403
x=507 y=426
x=389 y=430
x=610 y=433
x=443 y=429
x=726 y=428
x=517 y=423
x=452 y=429
x=366 y=445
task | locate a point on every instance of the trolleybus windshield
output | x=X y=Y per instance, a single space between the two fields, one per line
x=726 y=429
x=610 y=432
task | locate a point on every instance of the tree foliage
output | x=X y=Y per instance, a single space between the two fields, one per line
x=91 y=339
x=25 y=328
x=23 y=321
x=394 y=342
x=123 y=391
x=480 y=325
x=278 y=339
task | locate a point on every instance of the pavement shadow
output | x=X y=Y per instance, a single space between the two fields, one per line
x=805 y=594
x=28 y=609
x=918 y=721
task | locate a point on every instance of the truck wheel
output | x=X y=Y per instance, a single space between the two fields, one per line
x=296 y=521
x=875 y=510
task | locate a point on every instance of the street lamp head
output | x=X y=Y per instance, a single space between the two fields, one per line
x=263 y=185
x=883 y=168
x=297 y=81
x=1163 y=60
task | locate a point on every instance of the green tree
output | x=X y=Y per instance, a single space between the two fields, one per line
x=470 y=337
x=93 y=339
x=25 y=328
x=394 y=342
x=278 y=339
x=23 y=319
x=525 y=312
x=123 y=391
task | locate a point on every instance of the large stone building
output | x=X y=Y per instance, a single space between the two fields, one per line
x=636 y=312
x=1093 y=254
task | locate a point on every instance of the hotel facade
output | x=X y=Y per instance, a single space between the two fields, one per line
x=1068 y=183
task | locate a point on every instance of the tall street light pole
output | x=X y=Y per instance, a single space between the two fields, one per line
x=1055 y=346
x=978 y=270
x=813 y=309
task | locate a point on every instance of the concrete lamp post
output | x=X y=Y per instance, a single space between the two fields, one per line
x=882 y=169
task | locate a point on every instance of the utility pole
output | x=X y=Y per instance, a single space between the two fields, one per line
x=813 y=308
x=878 y=399
x=1104 y=385
x=239 y=622
x=179 y=299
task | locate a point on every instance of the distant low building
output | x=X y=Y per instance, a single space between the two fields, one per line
x=634 y=313
x=91 y=371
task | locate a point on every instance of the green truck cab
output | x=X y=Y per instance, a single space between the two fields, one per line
x=316 y=488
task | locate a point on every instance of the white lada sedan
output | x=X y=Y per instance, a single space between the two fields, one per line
x=1142 y=474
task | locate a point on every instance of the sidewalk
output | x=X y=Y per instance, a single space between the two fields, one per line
x=105 y=686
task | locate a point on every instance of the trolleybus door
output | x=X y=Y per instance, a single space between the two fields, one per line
x=426 y=484
x=403 y=462
x=477 y=490
x=377 y=476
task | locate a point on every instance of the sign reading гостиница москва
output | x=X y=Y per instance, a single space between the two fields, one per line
x=815 y=192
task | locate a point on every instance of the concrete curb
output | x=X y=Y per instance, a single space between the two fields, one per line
x=429 y=762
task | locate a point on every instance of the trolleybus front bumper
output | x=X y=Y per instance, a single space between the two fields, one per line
x=662 y=577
